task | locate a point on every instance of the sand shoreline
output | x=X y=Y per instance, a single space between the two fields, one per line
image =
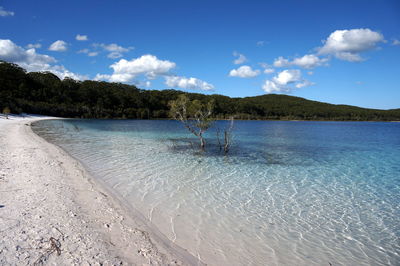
x=49 y=204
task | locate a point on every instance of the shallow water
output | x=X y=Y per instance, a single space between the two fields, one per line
x=288 y=193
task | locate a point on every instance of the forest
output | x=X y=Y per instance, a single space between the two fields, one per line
x=44 y=93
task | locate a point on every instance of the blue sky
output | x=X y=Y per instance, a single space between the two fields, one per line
x=342 y=52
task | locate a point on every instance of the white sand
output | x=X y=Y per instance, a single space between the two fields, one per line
x=49 y=203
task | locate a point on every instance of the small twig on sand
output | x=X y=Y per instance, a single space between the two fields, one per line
x=55 y=246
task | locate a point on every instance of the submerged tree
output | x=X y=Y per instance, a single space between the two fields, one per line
x=194 y=115
x=227 y=136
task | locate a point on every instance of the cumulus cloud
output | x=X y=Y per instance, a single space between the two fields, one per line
x=187 y=83
x=115 y=50
x=287 y=76
x=285 y=81
x=9 y=51
x=58 y=46
x=240 y=58
x=102 y=77
x=32 y=61
x=244 y=72
x=396 y=42
x=148 y=65
x=34 y=45
x=281 y=62
x=307 y=61
x=79 y=37
x=348 y=44
x=5 y=13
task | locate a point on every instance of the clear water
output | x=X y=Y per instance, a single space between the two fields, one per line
x=288 y=193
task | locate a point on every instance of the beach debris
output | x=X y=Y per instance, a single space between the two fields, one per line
x=55 y=246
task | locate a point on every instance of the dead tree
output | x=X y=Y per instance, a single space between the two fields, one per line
x=227 y=137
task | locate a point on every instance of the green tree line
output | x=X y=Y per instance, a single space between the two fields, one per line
x=44 y=93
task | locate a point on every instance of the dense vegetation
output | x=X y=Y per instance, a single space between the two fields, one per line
x=44 y=93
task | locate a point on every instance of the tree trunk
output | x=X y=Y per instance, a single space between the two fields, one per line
x=226 y=140
x=202 y=142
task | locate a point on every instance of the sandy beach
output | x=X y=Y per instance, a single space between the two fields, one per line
x=52 y=211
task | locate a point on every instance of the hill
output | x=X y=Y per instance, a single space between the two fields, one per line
x=44 y=93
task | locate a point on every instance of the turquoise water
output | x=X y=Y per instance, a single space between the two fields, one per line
x=288 y=193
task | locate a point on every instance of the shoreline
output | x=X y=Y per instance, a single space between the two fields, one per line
x=68 y=207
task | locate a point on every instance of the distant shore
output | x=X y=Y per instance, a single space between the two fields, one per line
x=51 y=210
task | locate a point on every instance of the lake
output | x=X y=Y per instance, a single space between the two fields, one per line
x=287 y=193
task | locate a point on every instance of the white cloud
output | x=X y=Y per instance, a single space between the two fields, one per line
x=304 y=83
x=270 y=87
x=348 y=44
x=285 y=80
x=240 y=58
x=351 y=57
x=287 y=76
x=58 y=46
x=16 y=54
x=148 y=65
x=281 y=62
x=269 y=70
x=102 y=77
x=114 y=55
x=5 y=13
x=81 y=37
x=396 y=42
x=307 y=61
x=187 y=83
x=115 y=50
x=244 y=72
x=34 y=45
x=310 y=73
x=88 y=52
x=151 y=67
x=32 y=61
